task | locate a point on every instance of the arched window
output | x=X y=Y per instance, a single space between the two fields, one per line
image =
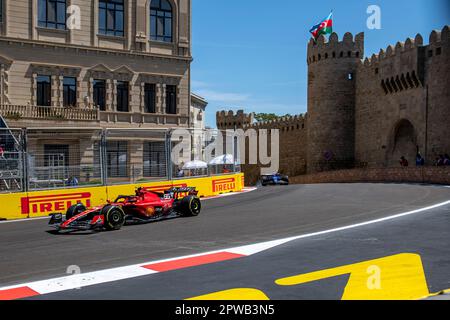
x=161 y=19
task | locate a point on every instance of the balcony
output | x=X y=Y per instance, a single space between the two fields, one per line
x=19 y=112
x=21 y=115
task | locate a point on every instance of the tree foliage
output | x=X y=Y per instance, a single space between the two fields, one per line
x=268 y=116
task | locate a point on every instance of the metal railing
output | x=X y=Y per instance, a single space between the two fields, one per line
x=45 y=158
x=17 y=112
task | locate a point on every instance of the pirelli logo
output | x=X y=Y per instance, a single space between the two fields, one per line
x=53 y=203
x=224 y=185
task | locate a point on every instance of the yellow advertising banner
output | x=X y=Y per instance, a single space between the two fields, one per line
x=11 y=206
x=42 y=203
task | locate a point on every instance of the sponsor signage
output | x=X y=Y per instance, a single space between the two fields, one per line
x=224 y=185
x=53 y=203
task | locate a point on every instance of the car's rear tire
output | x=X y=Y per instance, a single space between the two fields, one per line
x=75 y=210
x=114 y=217
x=190 y=206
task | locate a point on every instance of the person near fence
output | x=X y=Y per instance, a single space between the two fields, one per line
x=440 y=160
x=225 y=170
x=180 y=171
x=446 y=160
x=404 y=162
x=72 y=181
x=420 y=161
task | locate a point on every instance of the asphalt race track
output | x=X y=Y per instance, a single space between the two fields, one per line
x=29 y=253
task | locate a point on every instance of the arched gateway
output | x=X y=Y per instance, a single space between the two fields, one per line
x=403 y=143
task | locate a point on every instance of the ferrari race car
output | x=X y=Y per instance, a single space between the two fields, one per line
x=274 y=179
x=146 y=206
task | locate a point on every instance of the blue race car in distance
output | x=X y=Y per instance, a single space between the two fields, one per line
x=274 y=179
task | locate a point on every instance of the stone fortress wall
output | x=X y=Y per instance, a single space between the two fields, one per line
x=364 y=112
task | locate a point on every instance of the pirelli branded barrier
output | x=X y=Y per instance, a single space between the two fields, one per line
x=42 y=203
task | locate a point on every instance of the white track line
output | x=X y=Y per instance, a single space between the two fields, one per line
x=128 y=272
x=24 y=220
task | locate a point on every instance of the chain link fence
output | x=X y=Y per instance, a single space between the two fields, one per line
x=45 y=159
x=12 y=169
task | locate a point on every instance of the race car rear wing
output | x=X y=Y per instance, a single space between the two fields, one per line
x=177 y=191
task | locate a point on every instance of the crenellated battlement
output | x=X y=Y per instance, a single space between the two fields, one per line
x=231 y=120
x=436 y=39
x=392 y=51
x=297 y=122
x=333 y=48
x=241 y=120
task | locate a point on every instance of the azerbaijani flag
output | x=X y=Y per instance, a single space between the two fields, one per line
x=325 y=27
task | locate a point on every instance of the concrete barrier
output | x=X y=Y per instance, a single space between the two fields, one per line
x=429 y=175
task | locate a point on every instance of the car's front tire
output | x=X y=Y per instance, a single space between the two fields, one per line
x=114 y=217
x=75 y=210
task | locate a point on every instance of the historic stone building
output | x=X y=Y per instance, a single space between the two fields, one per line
x=125 y=66
x=365 y=112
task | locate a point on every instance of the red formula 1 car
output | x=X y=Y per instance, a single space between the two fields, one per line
x=145 y=206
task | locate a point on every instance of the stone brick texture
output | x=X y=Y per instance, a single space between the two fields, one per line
x=433 y=175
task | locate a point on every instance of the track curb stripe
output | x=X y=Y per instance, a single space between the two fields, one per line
x=192 y=262
x=17 y=293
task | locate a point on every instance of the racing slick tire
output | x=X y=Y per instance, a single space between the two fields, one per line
x=114 y=217
x=74 y=210
x=190 y=206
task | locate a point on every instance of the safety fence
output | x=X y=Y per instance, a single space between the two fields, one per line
x=72 y=158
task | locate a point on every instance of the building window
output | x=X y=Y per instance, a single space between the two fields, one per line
x=111 y=17
x=161 y=21
x=154 y=159
x=150 y=98
x=171 y=99
x=56 y=162
x=52 y=14
x=100 y=94
x=117 y=158
x=56 y=155
x=70 y=91
x=122 y=96
x=43 y=91
x=438 y=51
x=1 y=11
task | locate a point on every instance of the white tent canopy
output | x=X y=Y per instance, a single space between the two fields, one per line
x=222 y=160
x=196 y=164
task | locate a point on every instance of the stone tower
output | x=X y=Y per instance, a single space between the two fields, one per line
x=332 y=72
